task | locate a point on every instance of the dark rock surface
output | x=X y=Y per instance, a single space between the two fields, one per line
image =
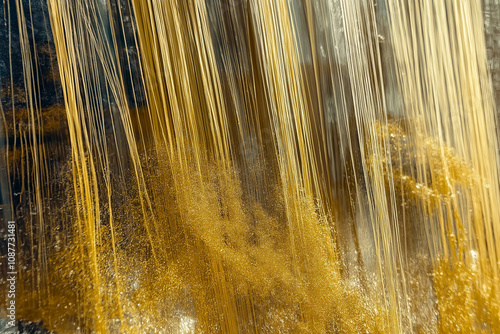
x=24 y=327
x=491 y=10
x=45 y=74
x=42 y=52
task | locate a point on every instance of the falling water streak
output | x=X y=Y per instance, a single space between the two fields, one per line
x=457 y=91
